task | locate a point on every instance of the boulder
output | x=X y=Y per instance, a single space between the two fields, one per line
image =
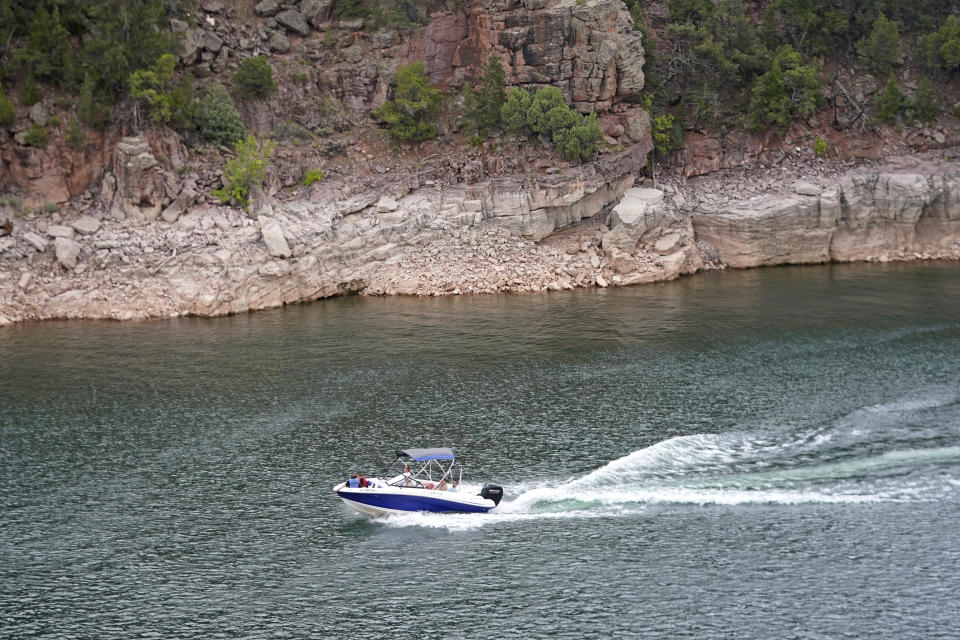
x=60 y=231
x=279 y=42
x=267 y=8
x=316 y=12
x=212 y=42
x=273 y=237
x=180 y=205
x=140 y=184
x=86 y=225
x=38 y=113
x=293 y=20
x=67 y=252
x=637 y=126
x=35 y=241
x=640 y=211
x=190 y=46
x=386 y=204
x=621 y=261
x=668 y=244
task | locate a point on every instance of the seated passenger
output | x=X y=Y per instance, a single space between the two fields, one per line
x=443 y=485
x=353 y=482
x=453 y=486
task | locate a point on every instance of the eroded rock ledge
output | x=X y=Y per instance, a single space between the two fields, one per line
x=581 y=227
x=867 y=214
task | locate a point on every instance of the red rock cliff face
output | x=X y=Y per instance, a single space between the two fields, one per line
x=589 y=50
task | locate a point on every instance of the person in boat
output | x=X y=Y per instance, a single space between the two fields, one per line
x=453 y=486
x=407 y=476
x=443 y=485
x=353 y=482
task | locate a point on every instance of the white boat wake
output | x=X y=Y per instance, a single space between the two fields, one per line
x=847 y=462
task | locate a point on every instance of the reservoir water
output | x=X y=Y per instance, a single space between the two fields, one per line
x=757 y=454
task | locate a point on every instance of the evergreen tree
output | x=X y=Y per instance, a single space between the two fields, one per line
x=925 y=101
x=165 y=101
x=889 y=101
x=217 y=118
x=514 y=109
x=254 y=78
x=414 y=103
x=581 y=139
x=482 y=104
x=789 y=88
x=543 y=101
x=92 y=108
x=7 y=113
x=942 y=47
x=880 y=49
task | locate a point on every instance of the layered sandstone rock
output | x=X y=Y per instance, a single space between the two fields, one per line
x=216 y=260
x=862 y=216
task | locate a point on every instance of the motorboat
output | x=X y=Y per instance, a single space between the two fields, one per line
x=424 y=480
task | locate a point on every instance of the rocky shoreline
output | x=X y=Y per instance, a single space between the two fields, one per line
x=581 y=227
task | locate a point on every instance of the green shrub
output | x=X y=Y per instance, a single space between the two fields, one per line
x=807 y=25
x=942 y=47
x=245 y=171
x=513 y=113
x=313 y=175
x=254 y=78
x=667 y=134
x=414 y=102
x=48 y=54
x=349 y=9
x=36 y=136
x=889 y=101
x=820 y=147
x=75 y=136
x=581 y=139
x=789 y=88
x=7 y=113
x=880 y=48
x=299 y=77
x=925 y=101
x=165 y=101
x=91 y=105
x=218 y=119
x=482 y=104
x=543 y=101
x=30 y=92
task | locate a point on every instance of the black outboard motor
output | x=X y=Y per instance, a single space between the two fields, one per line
x=492 y=491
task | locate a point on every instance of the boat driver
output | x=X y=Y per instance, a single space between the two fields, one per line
x=407 y=476
x=353 y=482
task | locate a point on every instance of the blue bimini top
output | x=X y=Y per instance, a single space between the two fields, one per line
x=422 y=455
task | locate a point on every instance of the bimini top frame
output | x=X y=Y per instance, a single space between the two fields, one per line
x=425 y=466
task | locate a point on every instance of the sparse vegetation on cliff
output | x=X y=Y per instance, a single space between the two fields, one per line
x=415 y=102
x=7 y=113
x=36 y=135
x=254 y=78
x=165 y=101
x=721 y=66
x=218 y=119
x=245 y=171
x=482 y=103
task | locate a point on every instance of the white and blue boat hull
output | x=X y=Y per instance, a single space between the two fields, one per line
x=382 y=501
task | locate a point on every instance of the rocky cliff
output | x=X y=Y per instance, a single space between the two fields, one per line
x=141 y=260
x=865 y=215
